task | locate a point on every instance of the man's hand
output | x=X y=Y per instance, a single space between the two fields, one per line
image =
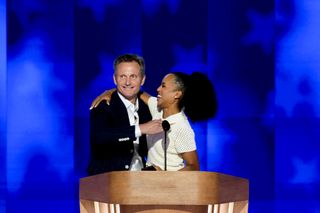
x=106 y=95
x=151 y=127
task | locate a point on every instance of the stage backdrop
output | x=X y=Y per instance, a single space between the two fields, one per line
x=261 y=56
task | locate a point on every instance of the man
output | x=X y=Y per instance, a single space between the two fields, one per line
x=118 y=129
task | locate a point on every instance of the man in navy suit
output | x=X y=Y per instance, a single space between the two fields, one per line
x=118 y=129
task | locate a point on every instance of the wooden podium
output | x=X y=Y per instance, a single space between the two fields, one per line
x=155 y=191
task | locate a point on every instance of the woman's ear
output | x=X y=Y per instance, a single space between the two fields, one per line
x=178 y=95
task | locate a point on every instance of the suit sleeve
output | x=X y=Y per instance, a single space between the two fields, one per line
x=109 y=127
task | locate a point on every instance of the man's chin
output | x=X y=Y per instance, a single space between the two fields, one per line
x=129 y=96
x=127 y=93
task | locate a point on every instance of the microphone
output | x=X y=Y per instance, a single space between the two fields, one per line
x=166 y=127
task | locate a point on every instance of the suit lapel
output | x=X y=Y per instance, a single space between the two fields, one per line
x=119 y=108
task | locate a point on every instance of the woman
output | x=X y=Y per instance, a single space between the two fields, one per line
x=178 y=97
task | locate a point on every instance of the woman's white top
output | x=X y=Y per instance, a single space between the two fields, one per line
x=180 y=139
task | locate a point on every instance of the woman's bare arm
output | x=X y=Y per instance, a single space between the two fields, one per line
x=145 y=97
x=106 y=95
x=191 y=161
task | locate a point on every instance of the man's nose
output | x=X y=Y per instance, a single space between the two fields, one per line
x=128 y=81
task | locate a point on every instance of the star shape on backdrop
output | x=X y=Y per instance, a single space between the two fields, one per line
x=305 y=171
x=189 y=60
x=262 y=30
x=151 y=7
x=98 y=6
x=32 y=64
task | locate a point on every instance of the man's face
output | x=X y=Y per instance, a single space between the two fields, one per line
x=128 y=79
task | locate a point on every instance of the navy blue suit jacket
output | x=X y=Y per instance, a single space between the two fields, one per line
x=111 y=136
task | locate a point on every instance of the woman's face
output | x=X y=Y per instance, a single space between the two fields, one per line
x=167 y=92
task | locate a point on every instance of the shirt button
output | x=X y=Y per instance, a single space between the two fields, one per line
x=126 y=166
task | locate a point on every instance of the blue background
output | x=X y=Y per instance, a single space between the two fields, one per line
x=262 y=56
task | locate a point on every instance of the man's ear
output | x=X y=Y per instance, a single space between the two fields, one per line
x=143 y=80
x=114 y=79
